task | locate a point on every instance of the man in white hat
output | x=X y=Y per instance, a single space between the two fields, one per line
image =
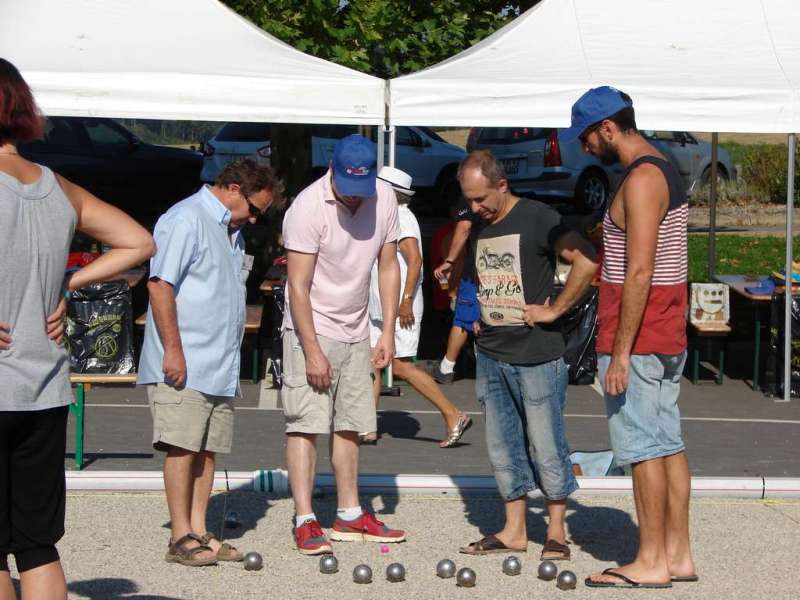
x=409 y=314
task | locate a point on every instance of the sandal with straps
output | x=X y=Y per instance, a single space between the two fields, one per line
x=226 y=552
x=464 y=423
x=178 y=552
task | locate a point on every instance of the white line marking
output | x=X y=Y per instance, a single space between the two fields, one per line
x=480 y=414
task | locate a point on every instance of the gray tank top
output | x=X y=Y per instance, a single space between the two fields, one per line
x=37 y=222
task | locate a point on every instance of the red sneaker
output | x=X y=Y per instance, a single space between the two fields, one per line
x=311 y=539
x=366 y=528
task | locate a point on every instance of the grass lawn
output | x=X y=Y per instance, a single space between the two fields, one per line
x=739 y=255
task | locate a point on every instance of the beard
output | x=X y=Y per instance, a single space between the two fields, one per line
x=607 y=154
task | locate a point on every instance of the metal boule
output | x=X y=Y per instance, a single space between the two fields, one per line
x=465 y=577
x=512 y=566
x=395 y=572
x=328 y=564
x=362 y=574
x=253 y=561
x=548 y=570
x=445 y=568
x=566 y=580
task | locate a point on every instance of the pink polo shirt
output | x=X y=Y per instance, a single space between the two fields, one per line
x=346 y=245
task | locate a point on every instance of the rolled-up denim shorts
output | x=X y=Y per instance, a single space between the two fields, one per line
x=644 y=421
x=524 y=408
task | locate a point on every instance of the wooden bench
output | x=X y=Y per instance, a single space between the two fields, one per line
x=252 y=326
x=83 y=383
x=709 y=332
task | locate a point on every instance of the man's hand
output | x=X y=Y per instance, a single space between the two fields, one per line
x=405 y=313
x=174 y=367
x=383 y=352
x=617 y=375
x=5 y=339
x=539 y=313
x=476 y=328
x=319 y=372
x=55 y=322
x=443 y=270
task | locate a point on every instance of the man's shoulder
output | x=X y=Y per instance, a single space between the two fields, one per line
x=187 y=212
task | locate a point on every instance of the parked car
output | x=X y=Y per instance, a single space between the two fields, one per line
x=539 y=165
x=102 y=156
x=431 y=161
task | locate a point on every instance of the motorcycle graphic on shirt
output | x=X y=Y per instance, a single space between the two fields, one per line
x=500 y=291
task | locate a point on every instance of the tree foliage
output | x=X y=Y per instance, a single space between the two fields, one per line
x=381 y=37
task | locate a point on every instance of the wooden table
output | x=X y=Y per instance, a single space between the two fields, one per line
x=267 y=286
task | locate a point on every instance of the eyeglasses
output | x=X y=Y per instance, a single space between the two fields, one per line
x=254 y=210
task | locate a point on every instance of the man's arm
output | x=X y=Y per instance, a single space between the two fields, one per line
x=165 y=315
x=645 y=200
x=460 y=237
x=578 y=252
x=300 y=272
x=409 y=249
x=389 y=288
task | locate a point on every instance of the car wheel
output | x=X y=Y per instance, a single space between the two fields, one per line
x=705 y=178
x=591 y=191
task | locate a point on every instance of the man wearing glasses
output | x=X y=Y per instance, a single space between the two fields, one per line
x=190 y=355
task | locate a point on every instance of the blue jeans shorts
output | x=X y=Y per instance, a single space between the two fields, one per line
x=467 y=308
x=644 y=421
x=524 y=406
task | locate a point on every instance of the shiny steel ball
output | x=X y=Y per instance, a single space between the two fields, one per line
x=232 y=519
x=445 y=568
x=548 y=570
x=465 y=577
x=362 y=574
x=566 y=580
x=395 y=572
x=253 y=561
x=328 y=564
x=512 y=566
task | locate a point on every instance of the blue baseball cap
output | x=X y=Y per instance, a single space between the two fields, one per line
x=355 y=166
x=595 y=105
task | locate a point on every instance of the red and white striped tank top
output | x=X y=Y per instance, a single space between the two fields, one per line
x=663 y=328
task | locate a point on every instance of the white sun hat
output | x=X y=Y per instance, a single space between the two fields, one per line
x=399 y=180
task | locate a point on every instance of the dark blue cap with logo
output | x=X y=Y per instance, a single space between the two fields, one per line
x=595 y=105
x=355 y=166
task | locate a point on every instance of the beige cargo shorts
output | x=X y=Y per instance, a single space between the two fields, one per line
x=347 y=405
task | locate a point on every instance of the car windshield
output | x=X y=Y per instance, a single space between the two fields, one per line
x=244 y=132
x=432 y=134
x=511 y=135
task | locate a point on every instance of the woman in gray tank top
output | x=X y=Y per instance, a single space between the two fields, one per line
x=39 y=212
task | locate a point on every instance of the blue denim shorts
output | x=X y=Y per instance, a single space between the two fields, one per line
x=644 y=421
x=524 y=407
x=467 y=308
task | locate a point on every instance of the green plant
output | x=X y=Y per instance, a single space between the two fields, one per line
x=764 y=171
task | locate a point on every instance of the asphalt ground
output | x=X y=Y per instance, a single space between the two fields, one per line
x=729 y=430
x=115 y=543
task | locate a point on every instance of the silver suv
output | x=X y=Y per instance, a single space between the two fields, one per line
x=539 y=165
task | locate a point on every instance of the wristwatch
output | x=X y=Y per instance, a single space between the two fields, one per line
x=408 y=297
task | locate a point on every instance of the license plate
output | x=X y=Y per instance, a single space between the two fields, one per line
x=511 y=166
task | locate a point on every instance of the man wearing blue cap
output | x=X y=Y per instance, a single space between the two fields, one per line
x=641 y=343
x=334 y=231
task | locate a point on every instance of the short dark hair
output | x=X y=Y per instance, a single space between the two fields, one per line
x=252 y=177
x=20 y=119
x=625 y=119
x=490 y=167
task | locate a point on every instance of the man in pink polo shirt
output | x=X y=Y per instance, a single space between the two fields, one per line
x=333 y=232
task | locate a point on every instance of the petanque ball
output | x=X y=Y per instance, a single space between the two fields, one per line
x=362 y=574
x=445 y=568
x=253 y=561
x=512 y=566
x=548 y=570
x=566 y=580
x=395 y=572
x=328 y=564
x=465 y=577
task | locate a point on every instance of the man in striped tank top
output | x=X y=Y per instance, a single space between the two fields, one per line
x=641 y=342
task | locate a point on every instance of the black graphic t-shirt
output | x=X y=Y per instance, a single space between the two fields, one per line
x=465 y=214
x=515 y=262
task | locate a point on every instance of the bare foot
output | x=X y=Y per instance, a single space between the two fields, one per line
x=635 y=572
x=683 y=568
x=512 y=543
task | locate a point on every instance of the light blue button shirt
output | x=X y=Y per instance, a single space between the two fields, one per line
x=205 y=264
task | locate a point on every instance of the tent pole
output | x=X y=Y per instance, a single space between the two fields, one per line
x=392 y=139
x=381 y=146
x=712 y=213
x=787 y=316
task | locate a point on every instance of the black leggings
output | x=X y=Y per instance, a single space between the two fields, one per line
x=32 y=487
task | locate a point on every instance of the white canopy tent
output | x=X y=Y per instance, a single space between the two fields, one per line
x=714 y=65
x=175 y=59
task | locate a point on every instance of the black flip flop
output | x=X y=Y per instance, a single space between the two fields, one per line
x=685 y=579
x=624 y=582
x=488 y=545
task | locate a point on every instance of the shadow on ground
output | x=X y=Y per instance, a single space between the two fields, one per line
x=111 y=588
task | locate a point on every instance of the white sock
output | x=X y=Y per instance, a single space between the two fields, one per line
x=446 y=366
x=349 y=514
x=300 y=519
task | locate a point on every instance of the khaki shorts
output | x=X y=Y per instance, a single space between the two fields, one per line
x=347 y=405
x=190 y=420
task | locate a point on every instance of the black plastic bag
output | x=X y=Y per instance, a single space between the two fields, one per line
x=775 y=366
x=277 y=306
x=100 y=329
x=579 y=327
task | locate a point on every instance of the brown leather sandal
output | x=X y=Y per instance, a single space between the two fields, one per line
x=226 y=552
x=554 y=550
x=179 y=552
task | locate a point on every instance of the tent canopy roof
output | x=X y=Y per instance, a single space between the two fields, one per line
x=709 y=65
x=175 y=59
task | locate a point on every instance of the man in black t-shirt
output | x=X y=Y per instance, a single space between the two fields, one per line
x=521 y=377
